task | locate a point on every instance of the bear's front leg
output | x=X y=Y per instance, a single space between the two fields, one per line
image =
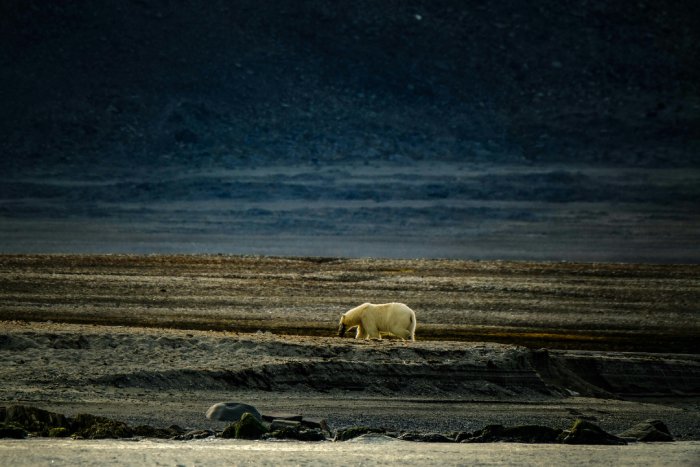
x=373 y=333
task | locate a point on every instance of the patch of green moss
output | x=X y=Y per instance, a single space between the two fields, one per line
x=248 y=427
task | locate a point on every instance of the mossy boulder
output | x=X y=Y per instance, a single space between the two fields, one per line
x=32 y=419
x=248 y=427
x=648 y=431
x=354 y=432
x=585 y=432
x=94 y=427
x=59 y=432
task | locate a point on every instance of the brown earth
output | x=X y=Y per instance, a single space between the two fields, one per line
x=158 y=339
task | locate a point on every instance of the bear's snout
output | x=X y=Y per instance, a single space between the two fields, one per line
x=341 y=330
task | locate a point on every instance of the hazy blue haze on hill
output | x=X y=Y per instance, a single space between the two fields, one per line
x=546 y=130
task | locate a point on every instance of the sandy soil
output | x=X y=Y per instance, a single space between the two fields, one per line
x=357 y=452
x=142 y=356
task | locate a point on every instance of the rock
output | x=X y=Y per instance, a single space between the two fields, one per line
x=231 y=411
x=280 y=424
x=648 y=430
x=270 y=416
x=354 y=432
x=248 y=427
x=532 y=434
x=309 y=422
x=195 y=434
x=316 y=423
x=585 y=432
x=298 y=433
x=319 y=423
x=33 y=420
x=488 y=434
x=462 y=436
x=516 y=434
x=93 y=427
x=9 y=430
x=59 y=432
x=148 y=431
x=426 y=438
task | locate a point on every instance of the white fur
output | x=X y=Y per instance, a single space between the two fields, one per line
x=373 y=320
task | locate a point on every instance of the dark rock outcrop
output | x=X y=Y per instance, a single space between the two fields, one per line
x=648 y=430
x=585 y=432
x=354 y=432
x=93 y=427
x=248 y=427
x=195 y=434
x=297 y=432
x=426 y=437
x=34 y=420
x=516 y=434
x=9 y=430
x=148 y=431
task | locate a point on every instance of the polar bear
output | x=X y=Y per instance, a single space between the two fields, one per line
x=373 y=320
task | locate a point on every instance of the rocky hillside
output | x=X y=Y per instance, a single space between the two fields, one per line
x=221 y=83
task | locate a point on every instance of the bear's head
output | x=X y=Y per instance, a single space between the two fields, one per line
x=342 y=328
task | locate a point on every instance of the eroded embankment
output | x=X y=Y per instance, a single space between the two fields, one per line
x=84 y=357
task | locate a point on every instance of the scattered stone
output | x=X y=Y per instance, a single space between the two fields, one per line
x=317 y=423
x=648 y=431
x=298 y=433
x=354 y=432
x=248 y=427
x=231 y=411
x=426 y=438
x=270 y=416
x=516 y=434
x=281 y=423
x=309 y=422
x=148 y=431
x=585 y=432
x=195 y=434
